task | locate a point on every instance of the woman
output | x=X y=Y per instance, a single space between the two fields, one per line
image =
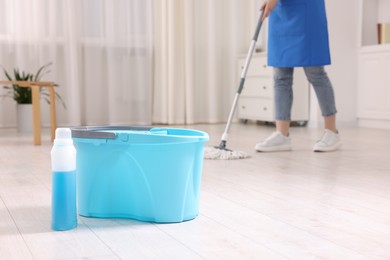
x=298 y=37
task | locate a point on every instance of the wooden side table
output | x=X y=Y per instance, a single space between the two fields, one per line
x=36 y=105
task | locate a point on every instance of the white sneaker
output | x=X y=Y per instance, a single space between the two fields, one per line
x=330 y=141
x=276 y=142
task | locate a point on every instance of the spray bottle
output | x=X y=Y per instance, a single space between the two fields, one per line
x=63 y=163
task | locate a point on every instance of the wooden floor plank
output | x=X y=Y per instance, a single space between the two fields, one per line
x=287 y=205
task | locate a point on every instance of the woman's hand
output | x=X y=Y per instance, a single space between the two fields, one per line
x=268 y=6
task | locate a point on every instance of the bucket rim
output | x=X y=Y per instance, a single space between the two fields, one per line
x=111 y=132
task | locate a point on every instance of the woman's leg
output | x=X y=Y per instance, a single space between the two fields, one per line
x=323 y=88
x=330 y=140
x=283 y=80
x=280 y=140
x=330 y=123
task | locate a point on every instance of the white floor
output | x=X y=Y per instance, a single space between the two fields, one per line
x=288 y=205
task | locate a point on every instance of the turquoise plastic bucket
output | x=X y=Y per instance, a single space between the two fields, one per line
x=147 y=174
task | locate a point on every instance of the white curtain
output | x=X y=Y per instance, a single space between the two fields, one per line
x=102 y=55
x=197 y=43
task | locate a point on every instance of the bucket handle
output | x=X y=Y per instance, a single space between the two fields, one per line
x=98 y=132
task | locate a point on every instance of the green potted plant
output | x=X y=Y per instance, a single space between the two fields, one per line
x=23 y=97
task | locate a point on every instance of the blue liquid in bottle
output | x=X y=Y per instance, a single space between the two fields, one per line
x=64 y=215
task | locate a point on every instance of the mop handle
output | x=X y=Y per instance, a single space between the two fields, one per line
x=243 y=76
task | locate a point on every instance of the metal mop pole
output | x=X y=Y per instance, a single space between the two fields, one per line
x=225 y=135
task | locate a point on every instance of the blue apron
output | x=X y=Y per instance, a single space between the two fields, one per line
x=298 y=34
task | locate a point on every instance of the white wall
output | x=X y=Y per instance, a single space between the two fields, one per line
x=383 y=11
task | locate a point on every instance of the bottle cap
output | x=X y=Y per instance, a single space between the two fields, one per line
x=63 y=133
x=63 y=136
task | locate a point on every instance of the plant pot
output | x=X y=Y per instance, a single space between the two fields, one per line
x=24 y=118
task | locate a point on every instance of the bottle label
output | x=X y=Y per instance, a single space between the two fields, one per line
x=64 y=215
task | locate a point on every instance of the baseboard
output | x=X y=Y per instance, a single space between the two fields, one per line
x=340 y=123
x=374 y=123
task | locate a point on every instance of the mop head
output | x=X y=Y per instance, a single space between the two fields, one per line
x=218 y=153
